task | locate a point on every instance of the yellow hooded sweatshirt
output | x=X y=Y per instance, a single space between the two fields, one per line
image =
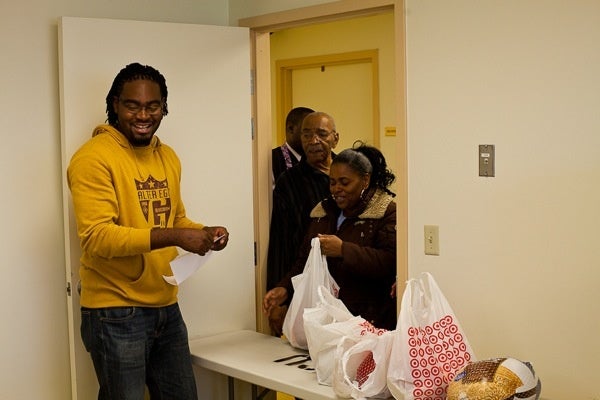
x=120 y=193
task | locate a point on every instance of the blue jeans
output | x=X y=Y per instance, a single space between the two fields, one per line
x=134 y=347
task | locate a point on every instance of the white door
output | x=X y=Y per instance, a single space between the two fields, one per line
x=207 y=69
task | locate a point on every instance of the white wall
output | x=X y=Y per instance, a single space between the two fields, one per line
x=250 y=8
x=519 y=259
x=33 y=338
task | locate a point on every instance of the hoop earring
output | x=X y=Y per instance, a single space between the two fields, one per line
x=361 y=193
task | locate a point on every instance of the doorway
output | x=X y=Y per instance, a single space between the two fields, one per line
x=263 y=110
x=321 y=83
x=343 y=67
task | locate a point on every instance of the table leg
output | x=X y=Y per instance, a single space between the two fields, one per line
x=230 y=389
x=254 y=388
x=262 y=395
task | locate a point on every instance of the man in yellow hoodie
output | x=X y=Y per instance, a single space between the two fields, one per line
x=125 y=185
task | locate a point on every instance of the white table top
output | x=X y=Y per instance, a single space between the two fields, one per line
x=249 y=356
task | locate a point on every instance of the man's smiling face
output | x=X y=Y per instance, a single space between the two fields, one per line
x=139 y=109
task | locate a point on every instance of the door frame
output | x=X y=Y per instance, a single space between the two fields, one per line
x=260 y=28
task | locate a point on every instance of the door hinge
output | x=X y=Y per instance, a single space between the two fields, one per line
x=69 y=289
x=255 y=255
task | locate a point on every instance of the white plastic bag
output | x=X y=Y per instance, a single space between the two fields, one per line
x=429 y=344
x=340 y=388
x=324 y=326
x=306 y=284
x=361 y=366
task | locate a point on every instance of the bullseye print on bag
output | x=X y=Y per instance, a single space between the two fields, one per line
x=429 y=344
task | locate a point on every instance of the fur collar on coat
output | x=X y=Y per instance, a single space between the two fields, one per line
x=375 y=208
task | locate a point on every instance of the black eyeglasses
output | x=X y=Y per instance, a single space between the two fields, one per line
x=133 y=107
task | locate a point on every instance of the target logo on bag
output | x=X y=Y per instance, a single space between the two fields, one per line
x=366 y=367
x=436 y=352
x=367 y=328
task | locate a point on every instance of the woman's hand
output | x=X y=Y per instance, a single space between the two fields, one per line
x=331 y=245
x=273 y=298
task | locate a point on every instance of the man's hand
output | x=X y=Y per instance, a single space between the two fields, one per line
x=220 y=237
x=198 y=241
x=274 y=297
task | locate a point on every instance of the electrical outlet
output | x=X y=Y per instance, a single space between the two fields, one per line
x=432 y=240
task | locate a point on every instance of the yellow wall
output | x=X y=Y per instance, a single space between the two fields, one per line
x=373 y=32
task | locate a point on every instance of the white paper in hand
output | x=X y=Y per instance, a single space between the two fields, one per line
x=185 y=265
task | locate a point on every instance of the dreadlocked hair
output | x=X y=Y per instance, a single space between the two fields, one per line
x=367 y=159
x=133 y=72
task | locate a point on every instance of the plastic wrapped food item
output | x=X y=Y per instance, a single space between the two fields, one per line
x=495 y=379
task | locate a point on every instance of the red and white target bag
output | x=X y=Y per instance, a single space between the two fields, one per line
x=429 y=346
x=325 y=325
x=360 y=368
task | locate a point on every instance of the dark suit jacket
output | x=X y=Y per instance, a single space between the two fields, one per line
x=278 y=161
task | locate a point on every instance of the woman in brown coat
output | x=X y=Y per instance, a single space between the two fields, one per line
x=356 y=227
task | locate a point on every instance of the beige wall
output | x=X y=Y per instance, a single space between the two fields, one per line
x=34 y=335
x=519 y=260
x=249 y=8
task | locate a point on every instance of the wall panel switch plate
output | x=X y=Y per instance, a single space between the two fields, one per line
x=432 y=240
x=487 y=160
